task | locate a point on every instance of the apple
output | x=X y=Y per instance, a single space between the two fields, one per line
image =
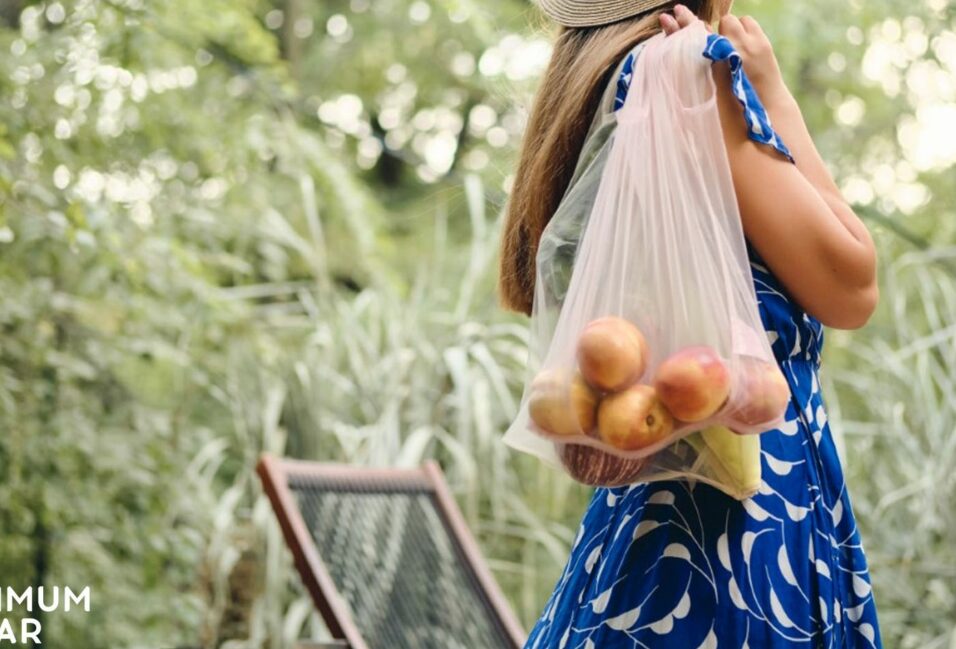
x=633 y=419
x=562 y=403
x=761 y=395
x=612 y=353
x=693 y=383
x=596 y=468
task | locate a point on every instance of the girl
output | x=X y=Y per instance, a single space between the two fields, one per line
x=785 y=568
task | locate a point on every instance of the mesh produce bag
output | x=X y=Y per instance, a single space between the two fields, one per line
x=648 y=358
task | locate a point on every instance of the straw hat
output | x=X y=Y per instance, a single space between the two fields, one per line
x=590 y=13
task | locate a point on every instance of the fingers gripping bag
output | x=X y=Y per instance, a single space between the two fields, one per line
x=648 y=359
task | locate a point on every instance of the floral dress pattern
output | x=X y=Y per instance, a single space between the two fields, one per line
x=670 y=565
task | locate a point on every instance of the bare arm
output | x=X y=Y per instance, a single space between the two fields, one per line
x=794 y=215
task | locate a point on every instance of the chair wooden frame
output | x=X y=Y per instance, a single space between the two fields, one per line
x=335 y=611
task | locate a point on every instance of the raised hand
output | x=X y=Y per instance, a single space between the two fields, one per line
x=758 y=56
x=682 y=17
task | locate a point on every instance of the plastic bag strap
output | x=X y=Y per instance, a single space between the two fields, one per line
x=604 y=121
x=719 y=49
x=612 y=98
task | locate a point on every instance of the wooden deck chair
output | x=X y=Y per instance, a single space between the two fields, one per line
x=387 y=557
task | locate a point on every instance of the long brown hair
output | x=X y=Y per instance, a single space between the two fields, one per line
x=581 y=63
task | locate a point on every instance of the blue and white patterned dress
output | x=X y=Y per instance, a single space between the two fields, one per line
x=670 y=566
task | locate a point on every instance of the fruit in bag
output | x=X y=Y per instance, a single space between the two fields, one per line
x=693 y=383
x=612 y=353
x=633 y=419
x=644 y=286
x=739 y=456
x=562 y=403
x=596 y=468
x=735 y=459
x=762 y=394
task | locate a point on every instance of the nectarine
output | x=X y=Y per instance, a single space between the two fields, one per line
x=562 y=403
x=693 y=383
x=612 y=353
x=633 y=419
x=761 y=395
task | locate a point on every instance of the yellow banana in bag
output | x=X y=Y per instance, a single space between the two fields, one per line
x=733 y=458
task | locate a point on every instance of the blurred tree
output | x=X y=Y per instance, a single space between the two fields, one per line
x=237 y=225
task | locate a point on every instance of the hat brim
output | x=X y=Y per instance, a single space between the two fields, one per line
x=592 y=13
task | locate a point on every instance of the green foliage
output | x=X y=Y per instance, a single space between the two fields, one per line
x=236 y=226
x=896 y=403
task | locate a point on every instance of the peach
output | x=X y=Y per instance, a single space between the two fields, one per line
x=633 y=419
x=596 y=468
x=612 y=353
x=562 y=403
x=693 y=383
x=761 y=395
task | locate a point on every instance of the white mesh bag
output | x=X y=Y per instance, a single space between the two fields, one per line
x=648 y=358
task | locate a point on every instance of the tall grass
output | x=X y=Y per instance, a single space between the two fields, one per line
x=389 y=377
x=893 y=396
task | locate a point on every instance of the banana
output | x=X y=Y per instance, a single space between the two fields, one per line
x=734 y=459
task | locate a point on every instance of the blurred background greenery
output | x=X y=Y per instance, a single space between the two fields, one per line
x=236 y=226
